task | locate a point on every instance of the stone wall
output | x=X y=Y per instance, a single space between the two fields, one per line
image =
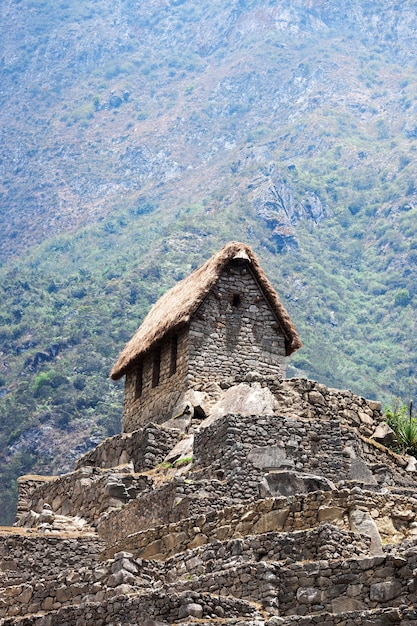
x=372 y=464
x=394 y=515
x=234 y=331
x=308 y=399
x=285 y=588
x=324 y=542
x=76 y=589
x=134 y=610
x=24 y=557
x=145 y=448
x=174 y=501
x=87 y=493
x=245 y=448
x=331 y=585
x=156 y=401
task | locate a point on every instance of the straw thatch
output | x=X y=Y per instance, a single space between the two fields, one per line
x=176 y=306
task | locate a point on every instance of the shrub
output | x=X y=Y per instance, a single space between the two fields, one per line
x=404 y=425
x=402 y=297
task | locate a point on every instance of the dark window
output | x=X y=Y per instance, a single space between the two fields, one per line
x=174 y=355
x=139 y=381
x=236 y=300
x=156 y=366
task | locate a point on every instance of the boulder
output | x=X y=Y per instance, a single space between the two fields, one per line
x=384 y=434
x=362 y=523
x=287 y=483
x=182 y=450
x=191 y=610
x=412 y=464
x=243 y=399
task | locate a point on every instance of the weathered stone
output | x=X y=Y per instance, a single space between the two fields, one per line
x=191 y=610
x=365 y=418
x=124 y=564
x=183 y=449
x=121 y=577
x=243 y=399
x=315 y=397
x=360 y=472
x=309 y=595
x=385 y=591
x=331 y=514
x=345 y=604
x=384 y=434
x=269 y=457
x=362 y=522
x=273 y=520
x=63 y=594
x=25 y=596
x=286 y=483
x=412 y=464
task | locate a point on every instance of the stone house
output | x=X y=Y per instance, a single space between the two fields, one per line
x=222 y=321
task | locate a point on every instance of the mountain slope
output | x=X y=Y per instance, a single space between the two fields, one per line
x=138 y=139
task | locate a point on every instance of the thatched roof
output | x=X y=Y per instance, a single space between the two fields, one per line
x=176 y=307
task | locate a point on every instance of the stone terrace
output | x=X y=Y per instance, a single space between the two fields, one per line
x=292 y=515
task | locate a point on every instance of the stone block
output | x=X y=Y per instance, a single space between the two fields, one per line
x=151 y=549
x=331 y=514
x=272 y=520
x=291 y=483
x=362 y=522
x=360 y=472
x=222 y=532
x=385 y=591
x=344 y=604
x=269 y=457
x=48 y=603
x=309 y=595
x=63 y=594
x=190 y=610
x=25 y=596
x=199 y=540
x=315 y=397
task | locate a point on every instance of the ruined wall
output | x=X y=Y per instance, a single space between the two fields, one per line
x=24 y=557
x=308 y=399
x=175 y=500
x=335 y=586
x=326 y=541
x=134 y=610
x=250 y=446
x=156 y=401
x=145 y=448
x=246 y=450
x=394 y=515
x=234 y=331
x=87 y=493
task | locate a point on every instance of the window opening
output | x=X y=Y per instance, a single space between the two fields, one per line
x=174 y=355
x=236 y=301
x=156 y=366
x=139 y=381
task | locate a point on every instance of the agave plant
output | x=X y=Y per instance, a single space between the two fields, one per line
x=407 y=434
x=400 y=418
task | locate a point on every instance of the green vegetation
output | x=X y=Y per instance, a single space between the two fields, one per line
x=144 y=142
x=185 y=461
x=404 y=424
